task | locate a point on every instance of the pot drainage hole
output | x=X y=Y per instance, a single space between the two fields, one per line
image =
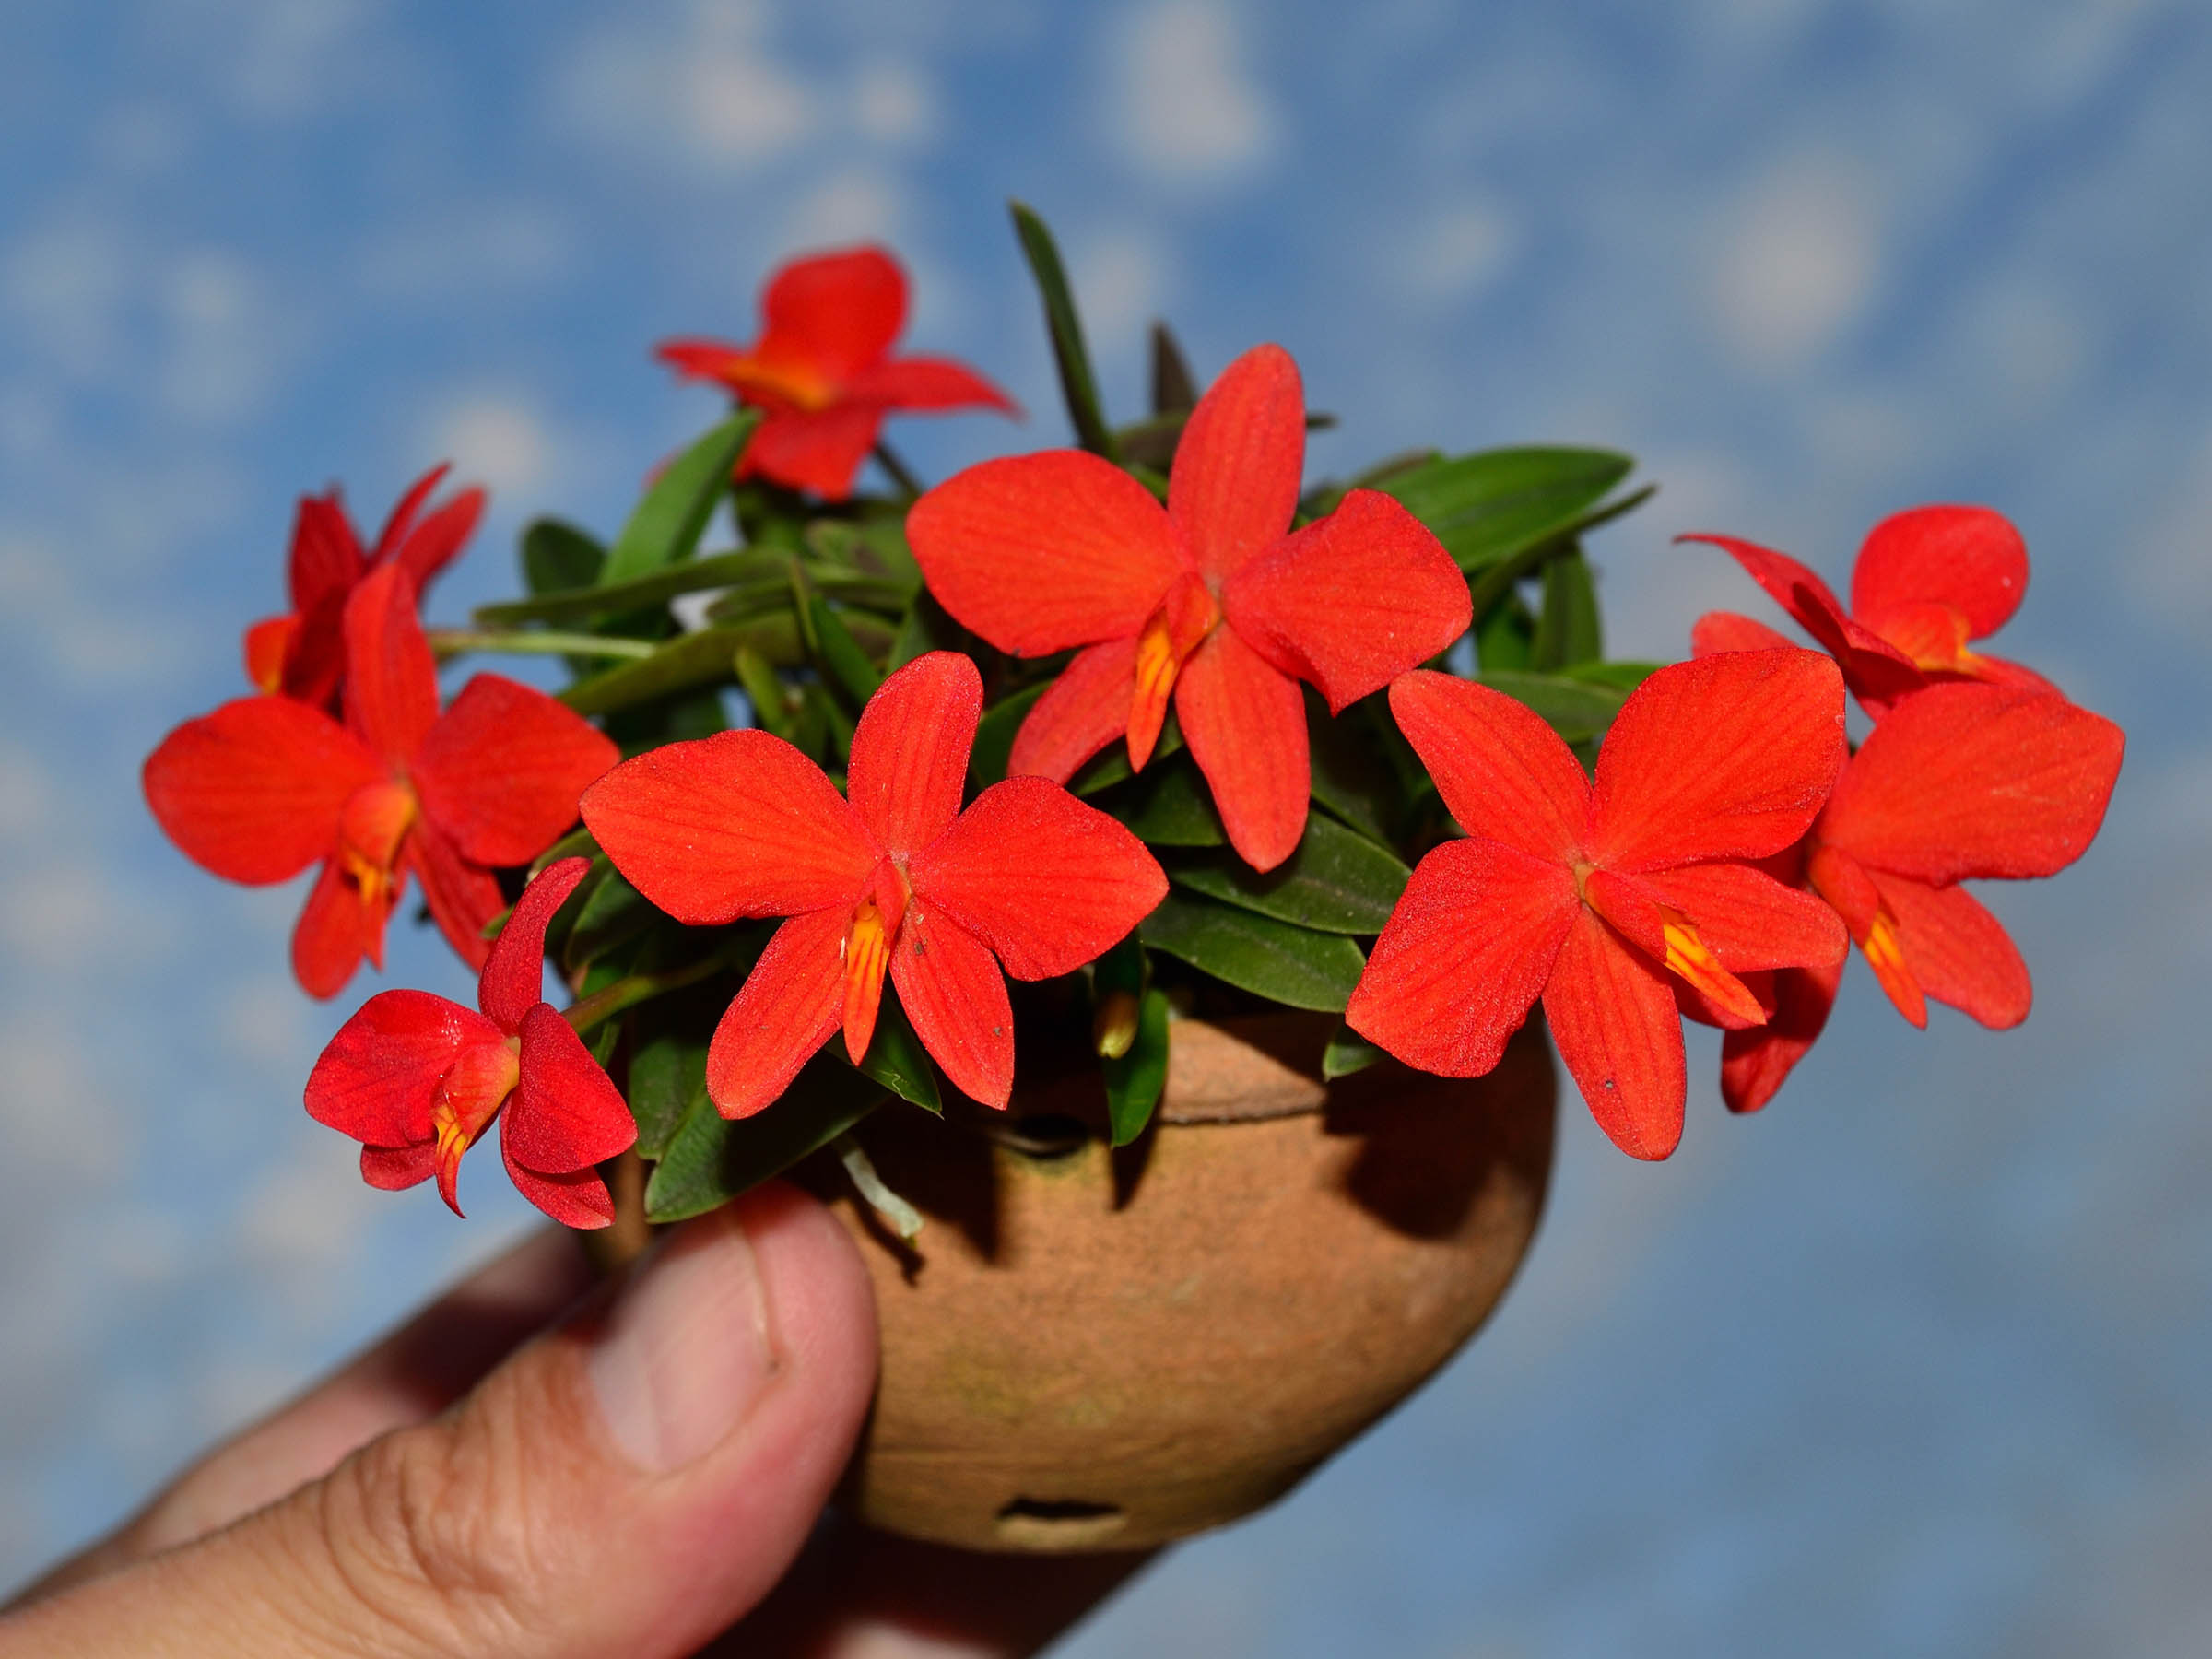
x=1059 y=1523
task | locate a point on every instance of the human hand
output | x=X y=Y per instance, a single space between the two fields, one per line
x=633 y=1475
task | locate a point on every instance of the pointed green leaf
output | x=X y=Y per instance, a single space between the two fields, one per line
x=1506 y=637
x=1290 y=965
x=840 y=654
x=667 y=1074
x=1489 y=505
x=1568 y=630
x=1173 y=386
x=1335 y=881
x=1077 y=384
x=1135 y=1080
x=666 y=527
x=710 y=1159
x=557 y=555
x=686 y=661
x=1623 y=677
x=1348 y=1053
x=1350 y=775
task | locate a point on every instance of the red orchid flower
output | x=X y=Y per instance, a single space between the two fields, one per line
x=1213 y=599
x=742 y=824
x=823 y=373
x=265 y=786
x=302 y=653
x=1927 y=582
x=1959 y=781
x=1591 y=896
x=417 y=1078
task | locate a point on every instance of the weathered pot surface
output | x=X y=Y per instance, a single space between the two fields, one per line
x=1089 y=1350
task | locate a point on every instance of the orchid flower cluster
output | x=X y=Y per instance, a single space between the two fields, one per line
x=1080 y=742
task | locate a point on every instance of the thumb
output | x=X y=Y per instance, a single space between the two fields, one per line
x=630 y=1482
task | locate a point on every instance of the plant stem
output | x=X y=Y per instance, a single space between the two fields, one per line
x=536 y=642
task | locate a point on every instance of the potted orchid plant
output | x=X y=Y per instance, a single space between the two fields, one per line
x=1134 y=861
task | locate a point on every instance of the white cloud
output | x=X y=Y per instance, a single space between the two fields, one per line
x=1182 y=101
x=263 y=1022
x=459 y=254
x=1455 y=248
x=1121 y=274
x=498 y=438
x=68 y=287
x=226 y=338
x=1799 y=262
x=895 y=103
x=854 y=206
x=57 y=1117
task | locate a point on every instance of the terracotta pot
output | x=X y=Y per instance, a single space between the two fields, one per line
x=1096 y=1350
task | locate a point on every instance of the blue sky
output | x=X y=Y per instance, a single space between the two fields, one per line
x=1912 y=1363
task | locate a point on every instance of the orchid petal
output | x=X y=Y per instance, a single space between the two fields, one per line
x=377 y=1078
x=738 y=824
x=1084 y=709
x=391 y=680
x=463 y=896
x=834 y=312
x=955 y=997
x=1234 y=482
x=1967 y=557
x=326 y=558
x=1722 y=757
x=1502 y=772
x=337 y=928
x=786 y=1010
x=1959 y=952
x=254 y=791
x=1464 y=956
x=1876 y=670
x=1245 y=724
x=400 y=522
x=1756 y=1063
x=819 y=449
x=565 y=1113
x=500 y=771
x=1351 y=602
x=1038 y=553
x=514 y=972
x=925 y=383
x=395 y=1169
x=1724 y=631
x=1612 y=1013
x=1966 y=779
x=579 y=1199
x=428 y=548
x=910 y=750
x=1045 y=881
x=1747 y=918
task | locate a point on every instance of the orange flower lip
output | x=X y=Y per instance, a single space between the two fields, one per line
x=1185 y=615
x=799 y=384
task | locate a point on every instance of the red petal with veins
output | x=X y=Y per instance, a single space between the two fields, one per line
x=1234 y=482
x=786 y=1010
x=514 y=972
x=436 y=541
x=391 y=680
x=462 y=897
x=1351 y=602
x=954 y=995
x=1756 y=1063
x=1724 y=631
x=267 y=643
x=1968 y=558
x=1876 y=671
x=1245 y=724
x=565 y=1113
x=910 y=750
x=1750 y=920
x=835 y=313
x=1612 y=1013
x=1960 y=953
x=336 y=930
x=1966 y=779
x=1466 y=953
x=253 y=791
x=326 y=558
x=738 y=824
x=378 y=1077
x=400 y=520
x=1081 y=712
x=818 y=450
x=1502 y=772
x=394 y=1169
x=1045 y=881
x=1038 y=553
x=1722 y=757
x=925 y=383
x=579 y=1199
x=501 y=769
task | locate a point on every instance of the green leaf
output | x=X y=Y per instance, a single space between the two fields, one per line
x=896 y=1058
x=666 y=526
x=667 y=1076
x=1335 y=881
x=1348 y=1053
x=1167 y=805
x=710 y=1159
x=557 y=555
x=1174 y=387
x=724 y=570
x=771 y=709
x=1286 y=964
x=1490 y=582
x=689 y=660
x=1574 y=708
x=1623 y=677
x=615 y=913
x=1506 y=637
x=925 y=628
x=840 y=655
x=575 y=844
x=1077 y=384
x=994 y=735
x=1134 y=1081
x=1350 y=775
x=1111 y=765
x=1489 y=505
x=1568 y=630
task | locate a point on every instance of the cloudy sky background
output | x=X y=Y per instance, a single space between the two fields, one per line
x=1913 y=1363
